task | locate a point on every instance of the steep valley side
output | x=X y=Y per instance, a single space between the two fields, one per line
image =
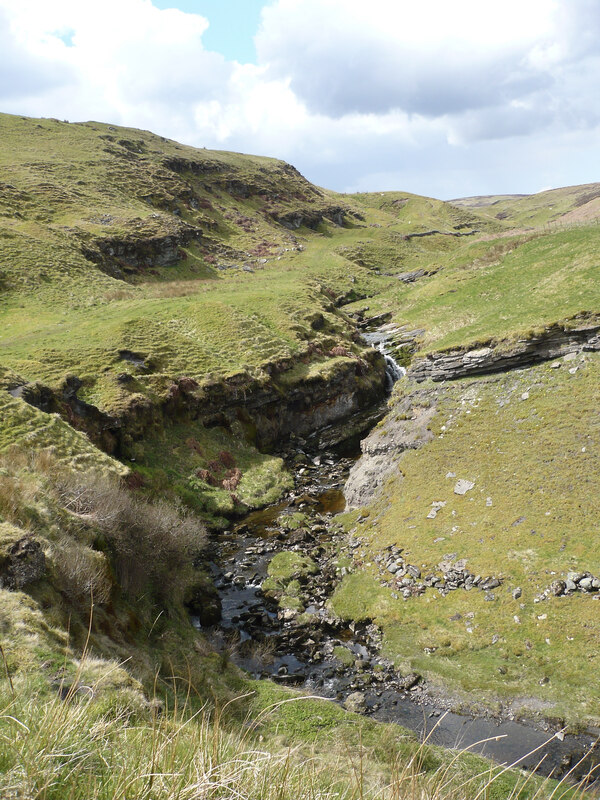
x=181 y=354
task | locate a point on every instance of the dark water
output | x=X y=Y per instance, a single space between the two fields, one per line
x=269 y=645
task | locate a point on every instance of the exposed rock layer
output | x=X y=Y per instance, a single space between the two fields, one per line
x=556 y=340
x=271 y=410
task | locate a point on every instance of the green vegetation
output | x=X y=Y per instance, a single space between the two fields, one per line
x=116 y=745
x=572 y=204
x=494 y=291
x=286 y=573
x=529 y=441
x=76 y=722
x=159 y=307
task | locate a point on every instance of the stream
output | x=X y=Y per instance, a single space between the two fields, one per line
x=302 y=648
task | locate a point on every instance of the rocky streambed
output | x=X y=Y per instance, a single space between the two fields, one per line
x=277 y=623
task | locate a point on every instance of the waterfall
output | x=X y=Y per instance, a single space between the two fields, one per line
x=393 y=370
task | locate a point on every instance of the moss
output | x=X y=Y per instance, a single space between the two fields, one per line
x=287 y=565
x=344 y=656
x=358 y=597
x=290 y=602
x=293 y=521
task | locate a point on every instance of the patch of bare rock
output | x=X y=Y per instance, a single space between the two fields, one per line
x=405 y=428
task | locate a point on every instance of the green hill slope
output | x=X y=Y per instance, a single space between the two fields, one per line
x=169 y=317
x=569 y=205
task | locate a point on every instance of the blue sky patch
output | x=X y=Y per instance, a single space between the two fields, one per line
x=233 y=24
x=66 y=36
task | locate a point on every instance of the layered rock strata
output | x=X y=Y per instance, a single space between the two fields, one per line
x=555 y=341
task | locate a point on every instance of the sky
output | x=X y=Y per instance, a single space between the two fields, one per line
x=447 y=99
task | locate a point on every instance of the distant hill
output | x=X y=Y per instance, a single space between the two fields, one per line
x=571 y=204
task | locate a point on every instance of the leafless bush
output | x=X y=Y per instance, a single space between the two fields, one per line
x=82 y=573
x=151 y=542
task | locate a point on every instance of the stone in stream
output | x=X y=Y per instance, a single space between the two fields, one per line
x=407 y=682
x=355 y=702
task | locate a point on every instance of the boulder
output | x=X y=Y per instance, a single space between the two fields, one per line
x=23 y=562
x=558 y=588
x=203 y=601
x=355 y=702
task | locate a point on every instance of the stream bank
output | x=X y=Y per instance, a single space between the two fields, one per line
x=307 y=646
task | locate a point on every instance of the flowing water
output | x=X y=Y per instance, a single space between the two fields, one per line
x=300 y=649
x=379 y=339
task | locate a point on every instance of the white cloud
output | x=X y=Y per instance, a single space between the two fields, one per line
x=395 y=93
x=432 y=57
x=24 y=73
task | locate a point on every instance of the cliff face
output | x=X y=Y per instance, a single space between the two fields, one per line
x=553 y=342
x=406 y=427
x=275 y=409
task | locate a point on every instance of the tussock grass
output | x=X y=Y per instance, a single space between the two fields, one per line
x=80 y=749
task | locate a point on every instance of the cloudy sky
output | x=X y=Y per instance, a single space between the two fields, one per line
x=441 y=97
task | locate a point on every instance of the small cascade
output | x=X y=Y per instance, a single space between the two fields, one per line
x=393 y=370
x=379 y=339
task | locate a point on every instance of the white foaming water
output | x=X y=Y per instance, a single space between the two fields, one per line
x=393 y=370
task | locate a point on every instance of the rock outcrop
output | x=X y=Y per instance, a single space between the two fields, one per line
x=555 y=341
x=404 y=428
x=310 y=218
x=119 y=256
x=272 y=407
x=23 y=562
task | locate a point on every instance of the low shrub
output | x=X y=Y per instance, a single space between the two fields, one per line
x=150 y=543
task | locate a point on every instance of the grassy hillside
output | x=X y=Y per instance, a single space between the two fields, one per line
x=569 y=205
x=149 y=292
x=531 y=518
x=107 y=689
x=528 y=441
x=499 y=289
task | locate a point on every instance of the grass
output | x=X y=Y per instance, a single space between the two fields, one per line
x=568 y=205
x=191 y=461
x=531 y=517
x=503 y=290
x=116 y=746
x=131 y=262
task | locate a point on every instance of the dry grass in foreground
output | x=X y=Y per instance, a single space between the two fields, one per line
x=81 y=744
